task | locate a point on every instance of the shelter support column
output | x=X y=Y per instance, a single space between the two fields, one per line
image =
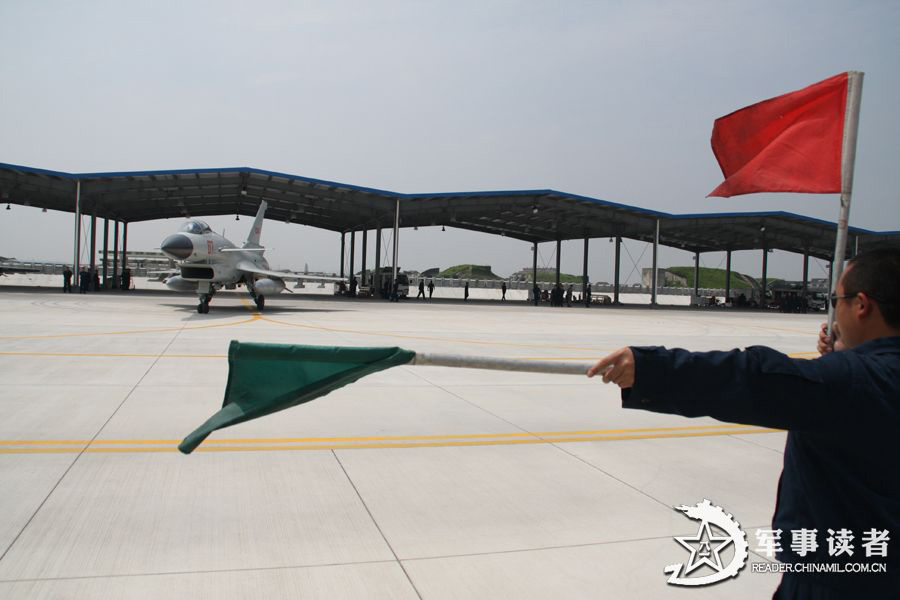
x=765 y=281
x=115 y=276
x=93 y=262
x=696 y=273
x=727 y=275
x=352 y=254
x=396 y=242
x=558 y=253
x=655 y=266
x=365 y=244
x=616 y=275
x=805 y=271
x=105 y=249
x=584 y=275
x=124 y=246
x=534 y=286
x=343 y=250
x=377 y=278
x=76 y=261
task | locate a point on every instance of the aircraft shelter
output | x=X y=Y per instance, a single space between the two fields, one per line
x=534 y=216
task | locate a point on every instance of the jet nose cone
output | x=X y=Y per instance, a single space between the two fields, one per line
x=177 y=246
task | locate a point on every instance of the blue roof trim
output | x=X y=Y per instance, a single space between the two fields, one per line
x=490 y=193
x=108 y=174
x=348 y=186
x=545 y=192
x=648 y=211
x=773 y=213
x=160 y=172
x=37 y=171
x=235 y=170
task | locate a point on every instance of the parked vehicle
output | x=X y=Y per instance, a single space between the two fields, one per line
x=402 y=282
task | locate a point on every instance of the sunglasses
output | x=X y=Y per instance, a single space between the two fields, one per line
x=835 y=298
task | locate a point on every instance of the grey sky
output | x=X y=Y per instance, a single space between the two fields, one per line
x=612 y=100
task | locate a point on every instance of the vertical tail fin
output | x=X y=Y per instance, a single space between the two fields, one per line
x=253 y=236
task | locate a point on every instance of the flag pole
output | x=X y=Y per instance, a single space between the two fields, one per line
x=429 y=359
x=848 y=159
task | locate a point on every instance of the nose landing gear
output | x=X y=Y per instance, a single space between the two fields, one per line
x=203 y=307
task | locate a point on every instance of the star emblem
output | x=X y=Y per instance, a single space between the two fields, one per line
x=701 y=550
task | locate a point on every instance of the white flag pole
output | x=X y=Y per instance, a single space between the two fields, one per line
x=848 y=158
x=502 y=364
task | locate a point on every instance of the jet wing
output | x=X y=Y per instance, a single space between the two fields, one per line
x=248 y=267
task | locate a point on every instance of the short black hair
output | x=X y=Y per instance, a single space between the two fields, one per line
x=877 y=274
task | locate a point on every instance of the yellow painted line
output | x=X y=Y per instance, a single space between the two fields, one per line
x=383 y=438
x=600 y=351
x=768 y=328
x=257 y=316
x=206 y=448
x=130 y=332
x=82 y=355
x=585 y=358
x=472 y=443
x=589 y=358
x=721 y=319
x=252 y=308
x=437 y=339
x=111 y=355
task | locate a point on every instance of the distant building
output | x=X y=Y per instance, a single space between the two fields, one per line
x=664 y=278
x=525 y=274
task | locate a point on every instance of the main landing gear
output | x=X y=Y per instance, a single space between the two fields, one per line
x=259 y=299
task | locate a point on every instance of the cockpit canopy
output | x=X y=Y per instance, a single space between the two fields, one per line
x=195 y=226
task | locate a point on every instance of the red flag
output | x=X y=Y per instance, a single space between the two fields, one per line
x=791 y=143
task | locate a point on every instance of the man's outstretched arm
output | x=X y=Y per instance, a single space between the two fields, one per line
x=758 y=386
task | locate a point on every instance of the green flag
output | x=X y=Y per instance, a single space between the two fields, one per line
x=266 y=378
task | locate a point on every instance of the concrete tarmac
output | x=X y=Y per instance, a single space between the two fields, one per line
x=416 y=482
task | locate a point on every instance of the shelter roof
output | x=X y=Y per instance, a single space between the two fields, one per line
x=539 y=215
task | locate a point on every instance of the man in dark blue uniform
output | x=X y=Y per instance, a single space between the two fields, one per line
x=82 y=281
x=842 y=412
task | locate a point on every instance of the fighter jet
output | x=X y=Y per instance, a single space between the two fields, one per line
x=208 y=262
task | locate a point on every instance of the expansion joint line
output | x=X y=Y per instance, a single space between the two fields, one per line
x=377 y=526
x=88 y=444
x=552 y=443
